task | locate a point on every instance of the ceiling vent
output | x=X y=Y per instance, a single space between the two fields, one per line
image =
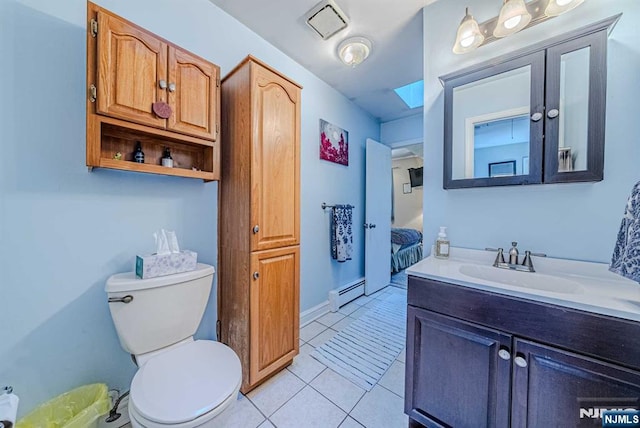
x=326 y=19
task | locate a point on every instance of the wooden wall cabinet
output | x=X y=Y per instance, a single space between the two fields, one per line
x=259 y=295
x=476 y=358
x=128 y=71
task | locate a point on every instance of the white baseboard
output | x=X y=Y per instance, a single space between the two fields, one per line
x=123 y=409
x=314 y=313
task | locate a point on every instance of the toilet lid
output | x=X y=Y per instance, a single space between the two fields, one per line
x=184 y=383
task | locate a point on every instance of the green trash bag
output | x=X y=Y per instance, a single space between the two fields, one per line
x=78 y=408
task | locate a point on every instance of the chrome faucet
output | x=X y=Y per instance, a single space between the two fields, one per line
x=514 y=264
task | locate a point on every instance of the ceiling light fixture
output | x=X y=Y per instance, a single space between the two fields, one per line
x=354 y=50
x=515 y=15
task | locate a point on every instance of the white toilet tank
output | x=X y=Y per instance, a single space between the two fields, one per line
x=163 y=311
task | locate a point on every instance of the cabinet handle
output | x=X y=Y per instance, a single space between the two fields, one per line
x=256 y=275
x=520 y=361
x=536 y=116
x=553 y=113
x=162 y=84
x=172 y=87
x=504 y=354
x=256 y=229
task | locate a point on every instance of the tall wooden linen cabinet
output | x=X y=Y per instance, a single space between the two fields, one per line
x=259 y=265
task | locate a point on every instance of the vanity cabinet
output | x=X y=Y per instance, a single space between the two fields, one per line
x=530 y=117
x=476 y=358
x=259 y=308
x=142 y=88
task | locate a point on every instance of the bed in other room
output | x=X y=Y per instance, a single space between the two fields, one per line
x=406 y=248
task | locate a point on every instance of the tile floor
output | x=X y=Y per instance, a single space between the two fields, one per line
x=308 y=394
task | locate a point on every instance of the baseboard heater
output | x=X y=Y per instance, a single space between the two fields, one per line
x=343 y=295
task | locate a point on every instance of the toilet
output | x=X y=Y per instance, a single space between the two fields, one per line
x=180 y=382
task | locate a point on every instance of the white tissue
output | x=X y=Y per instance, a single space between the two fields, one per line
x=166 y=242
x=9 y=407
x=173 y=241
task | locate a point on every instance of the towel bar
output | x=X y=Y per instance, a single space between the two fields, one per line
x=324 y=205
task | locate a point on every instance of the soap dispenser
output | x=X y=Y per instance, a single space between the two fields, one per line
x=442 y=244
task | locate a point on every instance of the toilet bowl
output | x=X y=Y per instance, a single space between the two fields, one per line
x=186 y=386
x=180 y=382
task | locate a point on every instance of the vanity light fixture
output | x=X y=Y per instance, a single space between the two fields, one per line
x=469 y=36
x=557 y=7
x=515 y=15
x=354 y=51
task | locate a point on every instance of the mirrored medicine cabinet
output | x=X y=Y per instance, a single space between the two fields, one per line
x=534 y=116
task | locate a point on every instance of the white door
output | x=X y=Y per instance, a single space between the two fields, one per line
x=377 y=223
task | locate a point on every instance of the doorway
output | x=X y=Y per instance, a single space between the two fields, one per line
x=407 y=163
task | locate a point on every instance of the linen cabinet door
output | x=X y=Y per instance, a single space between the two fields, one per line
x=132 y=69
x=458 y=374
x=553 y=387
x=275 y=307
x=275 y=176
x=193 y=95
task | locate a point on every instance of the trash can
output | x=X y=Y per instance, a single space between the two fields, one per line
x=78 y=408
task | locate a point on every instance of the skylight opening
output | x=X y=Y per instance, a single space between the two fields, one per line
x=412 y=94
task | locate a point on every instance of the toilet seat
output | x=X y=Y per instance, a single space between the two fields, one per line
x=196 y=380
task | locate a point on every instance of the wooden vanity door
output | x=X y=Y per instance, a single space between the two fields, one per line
x=275 y=171
x=195 y=95
x=275 y=310
x=131 y=63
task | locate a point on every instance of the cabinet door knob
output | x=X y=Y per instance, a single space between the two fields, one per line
x=553 y=113
x=162 y=84
x=520 y=361
x=536 y=116
x=504 y=354
x=256 y=229
x=256 y=275
x=172 y=87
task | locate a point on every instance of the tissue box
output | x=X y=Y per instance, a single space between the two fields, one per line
x=165 y=264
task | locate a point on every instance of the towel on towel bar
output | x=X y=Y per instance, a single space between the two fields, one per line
x=341 y=232
x=626 y=255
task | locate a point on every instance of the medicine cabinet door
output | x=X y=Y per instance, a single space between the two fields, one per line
x=576 y=110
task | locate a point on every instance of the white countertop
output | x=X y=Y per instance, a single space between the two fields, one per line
x=574 y=284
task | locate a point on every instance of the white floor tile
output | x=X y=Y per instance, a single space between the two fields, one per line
x=302 y=342
x=393 y=379
x=357 y=314
x=340 y=325
x=348 y=308
x=362 y=300
x=311 y=330
x=380 y=408
x=338 y=389
x=322 y=337
x=330 y=319
x=371 y=304
x=309 y=409
x=305 y=366
x=350 y=423
x=266 y=424
x=243 y=414
x=269 y=396
x=403 y=356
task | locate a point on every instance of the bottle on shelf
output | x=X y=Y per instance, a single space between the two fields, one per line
x=442 y=244
x=167 y=160
x=138 y=155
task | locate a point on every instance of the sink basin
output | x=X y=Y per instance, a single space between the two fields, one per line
x=530 y=280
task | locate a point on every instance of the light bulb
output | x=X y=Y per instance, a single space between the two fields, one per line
x=512 y=22
x=468 y=36
x=558 y=7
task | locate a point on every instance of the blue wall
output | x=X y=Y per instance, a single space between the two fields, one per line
x=577 y=221
x=405 y=130
x=64 y=231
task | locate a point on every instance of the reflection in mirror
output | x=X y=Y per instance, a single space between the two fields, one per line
x=574 y=111
x=491 y=126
